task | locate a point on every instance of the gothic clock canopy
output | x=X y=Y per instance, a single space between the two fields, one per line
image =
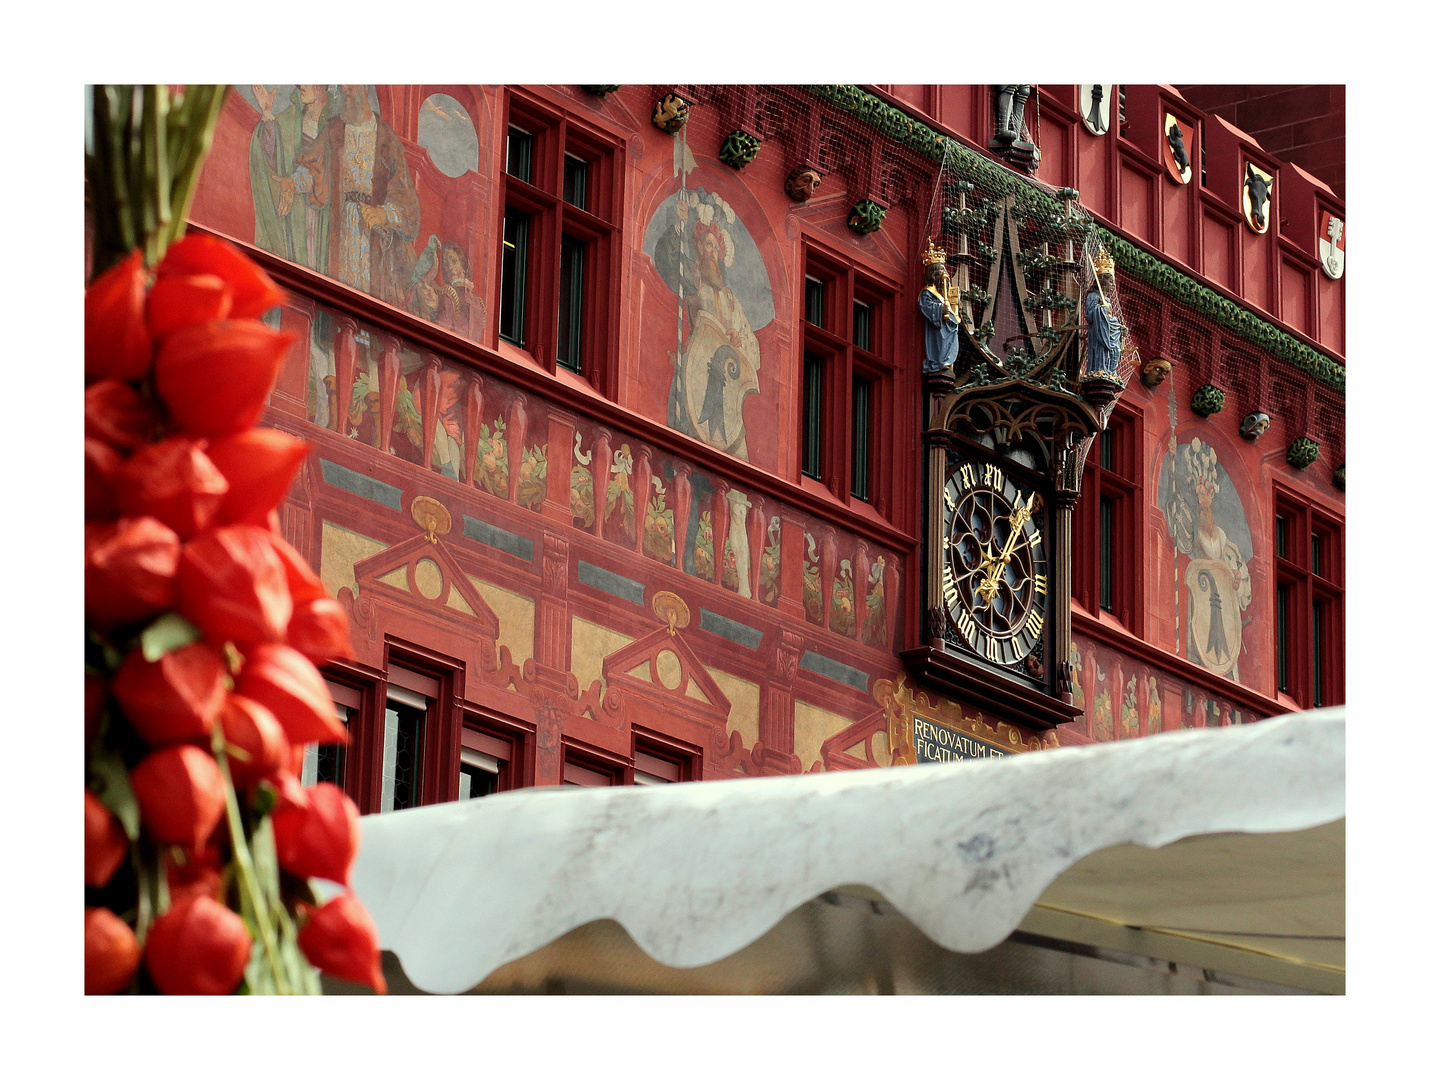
x=1008 y=424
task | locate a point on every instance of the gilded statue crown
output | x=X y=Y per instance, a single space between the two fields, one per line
x=1103 y=263
x=934 y=255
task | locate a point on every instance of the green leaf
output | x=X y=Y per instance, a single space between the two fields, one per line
x=110 y=781
x=165 y=634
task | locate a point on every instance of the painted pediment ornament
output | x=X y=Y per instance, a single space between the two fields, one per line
x=424 y=567
x=662 y=670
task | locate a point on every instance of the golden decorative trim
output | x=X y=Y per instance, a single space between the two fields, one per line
x=900 y=702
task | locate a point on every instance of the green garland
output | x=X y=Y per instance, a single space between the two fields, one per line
x=894 y=123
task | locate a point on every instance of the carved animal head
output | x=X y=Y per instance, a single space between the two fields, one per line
x=1259 y=188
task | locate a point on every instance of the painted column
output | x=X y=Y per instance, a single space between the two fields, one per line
x=345 y=369
x=755 y=543
x=828 y=569
x=719 y=529
x=601 y=478
x=431 y=388
x=682 y=513
x=775 y=751
x=641 y=494
x=861 y=587
x=740 y=541
x=388 y=366
x=515 y=444
x=560 y=440
x=893 y=600
x=472 y=416
x=791 y=599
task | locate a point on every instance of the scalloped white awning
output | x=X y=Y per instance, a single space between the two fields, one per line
x=1250 y=860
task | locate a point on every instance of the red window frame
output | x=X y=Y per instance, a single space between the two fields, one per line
x=845 y=283
x=1313 y=582
x=667 y=760
x=500 y=738
x=1114 y=479
x=586 y=766
x=554 y=136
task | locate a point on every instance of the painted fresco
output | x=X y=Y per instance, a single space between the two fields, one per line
x=707 y=257
x=445 y=131
x=333 y=188
x=1125 y=698
x=287 y=222
x=1207 y=524
x=365 y=419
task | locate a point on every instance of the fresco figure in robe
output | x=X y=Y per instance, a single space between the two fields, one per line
x=1207 y=522
x=707 y=257
x=291 y=225
x=357 y=168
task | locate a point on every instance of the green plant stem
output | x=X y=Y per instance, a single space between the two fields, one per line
x=202 y=108
x=247 y=879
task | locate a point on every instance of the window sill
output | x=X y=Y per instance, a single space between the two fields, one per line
x=517 y=355
x=1105 y=619
x=851 y=505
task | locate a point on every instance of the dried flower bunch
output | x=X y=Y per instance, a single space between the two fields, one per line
x=202 y=631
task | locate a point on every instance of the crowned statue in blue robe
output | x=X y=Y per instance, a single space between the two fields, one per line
x=1104 y=331
x=938 y=303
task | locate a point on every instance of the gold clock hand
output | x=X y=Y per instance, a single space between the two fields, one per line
x=995 y=575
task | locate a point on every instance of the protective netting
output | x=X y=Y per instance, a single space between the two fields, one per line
x=965 y=191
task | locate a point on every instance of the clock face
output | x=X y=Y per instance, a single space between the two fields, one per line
x=995 y=563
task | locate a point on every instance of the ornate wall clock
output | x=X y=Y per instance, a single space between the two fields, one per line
x=1006 y=432
x=994 y=566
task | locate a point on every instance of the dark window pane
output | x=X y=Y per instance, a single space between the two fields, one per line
x=516 y=229
x=813 y=415
x=859 y=425
x=814 y=301
x=474 y=782
x=326 y=763
x=1107 y=508
x=568 y=331
x=1281 y=536
x=1283 y=604
x=1106 y=451
x=332 y=761
x=1316 y=554
x=863 y=324
x=1318 y=617
x=402 y=755
x=518 y=153
x=573 y=185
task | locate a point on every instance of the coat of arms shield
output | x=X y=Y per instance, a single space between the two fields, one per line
x=1177 y=148
x=1097 y=104
x=1215 y=616
x=1331 y=240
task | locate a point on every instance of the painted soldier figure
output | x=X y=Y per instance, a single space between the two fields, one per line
x=938 y=303
x=1104 y=331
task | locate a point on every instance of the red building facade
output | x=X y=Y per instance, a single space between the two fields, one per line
x=618 y=418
